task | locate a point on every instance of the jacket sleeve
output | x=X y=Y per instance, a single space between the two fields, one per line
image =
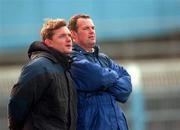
x=122 y=88
x=91 y=77
x=24 y=94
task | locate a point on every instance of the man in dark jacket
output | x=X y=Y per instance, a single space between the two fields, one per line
x=100 y=81
x=44 y=98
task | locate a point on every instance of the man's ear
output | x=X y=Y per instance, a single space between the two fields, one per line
x=48 y=42
x=74 y=35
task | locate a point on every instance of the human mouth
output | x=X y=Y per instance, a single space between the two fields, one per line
x=92 y=37
x=69 y=46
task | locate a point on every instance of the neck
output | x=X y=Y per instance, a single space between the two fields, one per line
x=91 y=49
x=67 y=54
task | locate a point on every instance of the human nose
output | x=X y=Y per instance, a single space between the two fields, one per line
x=92 y=30
x=68 y=38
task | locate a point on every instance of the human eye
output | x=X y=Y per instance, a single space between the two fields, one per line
x=93 y=27
x=62 y=36
x=85 y=28
x=70 y=35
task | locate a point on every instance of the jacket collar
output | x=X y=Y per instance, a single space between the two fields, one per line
x=76 y=48
x=38 y=49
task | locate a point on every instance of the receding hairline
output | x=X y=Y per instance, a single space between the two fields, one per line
x=72 y=25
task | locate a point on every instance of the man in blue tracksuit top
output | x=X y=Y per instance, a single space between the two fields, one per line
x=100 y=81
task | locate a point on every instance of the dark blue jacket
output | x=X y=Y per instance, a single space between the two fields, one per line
x=100 y=84
x=44 y=98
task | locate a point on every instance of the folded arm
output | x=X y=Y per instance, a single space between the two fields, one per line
x=91 y=77
x=122 y=88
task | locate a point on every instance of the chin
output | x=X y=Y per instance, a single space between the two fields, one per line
x=92 y=44
x=68 y=52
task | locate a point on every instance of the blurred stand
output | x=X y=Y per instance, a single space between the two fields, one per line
x=154 y=101
x=136 y=49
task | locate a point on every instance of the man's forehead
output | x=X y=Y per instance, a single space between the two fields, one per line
x=62 y=30
x=85 y=22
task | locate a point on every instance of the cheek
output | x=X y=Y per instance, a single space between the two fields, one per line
x=83 y=36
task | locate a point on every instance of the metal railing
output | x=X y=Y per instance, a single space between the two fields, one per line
x=153 y=105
